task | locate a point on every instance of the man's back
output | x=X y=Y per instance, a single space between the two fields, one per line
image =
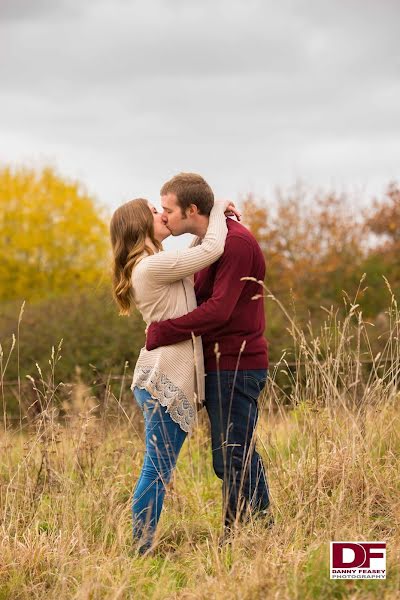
x=242 y=319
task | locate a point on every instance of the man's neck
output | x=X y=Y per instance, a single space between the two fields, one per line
x=200 y=227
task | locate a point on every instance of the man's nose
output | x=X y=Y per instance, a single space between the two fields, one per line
x=164 y=218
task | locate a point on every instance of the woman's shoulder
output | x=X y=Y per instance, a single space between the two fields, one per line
x=146 y=263
x=140 y=264
x=145 y=260
x=160 y=260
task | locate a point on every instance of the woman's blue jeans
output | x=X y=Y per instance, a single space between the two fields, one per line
x=164 y=439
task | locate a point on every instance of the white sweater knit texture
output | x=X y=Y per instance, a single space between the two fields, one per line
x=163 y=286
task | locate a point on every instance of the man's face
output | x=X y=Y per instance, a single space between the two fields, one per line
x=172 y=215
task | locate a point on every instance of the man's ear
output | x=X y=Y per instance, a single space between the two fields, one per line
x=192 y=211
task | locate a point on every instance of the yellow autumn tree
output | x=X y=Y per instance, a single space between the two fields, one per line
x=53 y=235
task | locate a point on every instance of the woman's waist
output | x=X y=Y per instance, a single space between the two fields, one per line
x=169 y=305
x=177 y=363
x=183 y=351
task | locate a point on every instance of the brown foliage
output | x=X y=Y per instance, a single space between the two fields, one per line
x=384 y=219
x=307 y=241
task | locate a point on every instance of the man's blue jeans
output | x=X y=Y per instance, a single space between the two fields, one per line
x=164 y=439
x=231 y=403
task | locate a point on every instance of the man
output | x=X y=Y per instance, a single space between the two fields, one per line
x=231 y=324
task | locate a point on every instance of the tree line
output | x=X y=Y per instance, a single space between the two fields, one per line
x=322 y=252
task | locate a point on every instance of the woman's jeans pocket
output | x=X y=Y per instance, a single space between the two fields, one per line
x=142 y=398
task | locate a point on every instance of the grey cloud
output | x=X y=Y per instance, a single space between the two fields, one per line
x=125 y=48
x=32 y=10
x=243 y=90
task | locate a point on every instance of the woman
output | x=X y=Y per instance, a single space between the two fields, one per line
x=168 y=382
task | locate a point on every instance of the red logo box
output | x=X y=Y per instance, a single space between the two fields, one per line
x=358 y=560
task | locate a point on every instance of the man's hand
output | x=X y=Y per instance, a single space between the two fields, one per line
x=151 y=336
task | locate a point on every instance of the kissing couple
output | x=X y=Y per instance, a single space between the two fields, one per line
x=205 y=343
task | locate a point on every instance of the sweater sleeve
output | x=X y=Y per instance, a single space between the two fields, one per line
x=167 y=267
x=234 y=264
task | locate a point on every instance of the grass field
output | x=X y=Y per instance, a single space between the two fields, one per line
x=332 y=451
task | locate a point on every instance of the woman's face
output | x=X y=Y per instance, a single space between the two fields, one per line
x=161 y=231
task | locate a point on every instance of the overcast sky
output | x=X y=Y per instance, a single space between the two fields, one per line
x=252 y=94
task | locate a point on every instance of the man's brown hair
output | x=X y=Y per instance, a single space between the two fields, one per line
x=190 y=188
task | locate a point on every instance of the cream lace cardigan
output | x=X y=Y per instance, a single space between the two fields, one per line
x=163 y=289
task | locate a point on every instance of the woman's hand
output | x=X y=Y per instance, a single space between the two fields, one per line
x=230 y=209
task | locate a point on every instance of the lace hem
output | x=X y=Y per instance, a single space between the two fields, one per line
x=169 y=395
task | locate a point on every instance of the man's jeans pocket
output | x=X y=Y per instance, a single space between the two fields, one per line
x=255 y=382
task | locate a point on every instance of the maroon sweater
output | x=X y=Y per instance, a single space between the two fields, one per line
x=226 y=312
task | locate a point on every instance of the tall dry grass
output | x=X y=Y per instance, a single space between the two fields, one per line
x=332 y=450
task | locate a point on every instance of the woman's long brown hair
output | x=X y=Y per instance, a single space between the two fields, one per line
x=130 y=225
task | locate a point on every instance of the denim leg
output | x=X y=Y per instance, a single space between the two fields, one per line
x=164 y=439
x=231 y=402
